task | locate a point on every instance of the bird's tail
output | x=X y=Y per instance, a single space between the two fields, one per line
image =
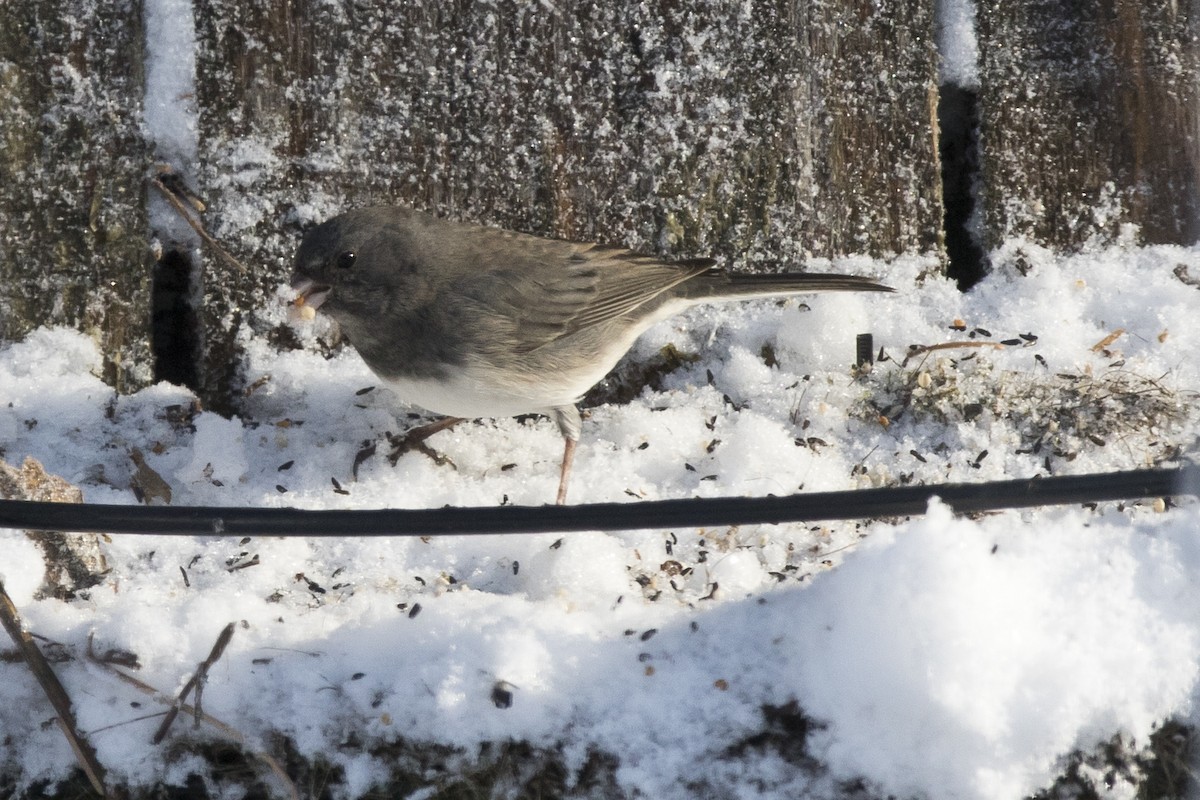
x=715 y=285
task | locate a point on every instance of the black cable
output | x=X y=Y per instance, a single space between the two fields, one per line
x=696 y=512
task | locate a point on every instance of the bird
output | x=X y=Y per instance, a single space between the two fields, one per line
x=469 y=321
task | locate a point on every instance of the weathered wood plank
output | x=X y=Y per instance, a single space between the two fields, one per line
x=1090 y=116
x=73 y=247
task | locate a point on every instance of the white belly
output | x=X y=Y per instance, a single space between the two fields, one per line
x=472 y=393
x=553 y=379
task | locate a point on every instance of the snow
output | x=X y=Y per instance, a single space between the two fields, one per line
x=22 y=570
x=170 y=116
x=940 y=656
x=957 y=43
x=961 y=658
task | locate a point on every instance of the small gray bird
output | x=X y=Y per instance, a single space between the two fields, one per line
x=471 y=321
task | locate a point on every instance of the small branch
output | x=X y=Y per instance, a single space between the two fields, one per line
x=195 y=682
x=917 y=350
x=183 y=211
x=225 y=728
x=84 y=752
x=1103 y=344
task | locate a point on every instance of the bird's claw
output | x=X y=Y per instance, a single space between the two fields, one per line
x=400 y=446
x=415 y=440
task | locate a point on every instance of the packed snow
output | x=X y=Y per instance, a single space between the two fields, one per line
x=957 y=43
x=170 y=116
x=939 y=656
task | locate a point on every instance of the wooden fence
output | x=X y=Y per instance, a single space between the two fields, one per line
x=763 y=132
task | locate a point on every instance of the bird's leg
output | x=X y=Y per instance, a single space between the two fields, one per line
x=415 y=440
x=565 y=474
x=569 y=425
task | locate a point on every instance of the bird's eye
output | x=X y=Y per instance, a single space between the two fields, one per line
x=346 y=260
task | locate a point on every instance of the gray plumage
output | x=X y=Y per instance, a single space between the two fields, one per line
x=473 y=321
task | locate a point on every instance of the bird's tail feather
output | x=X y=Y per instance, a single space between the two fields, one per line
x=721 y=284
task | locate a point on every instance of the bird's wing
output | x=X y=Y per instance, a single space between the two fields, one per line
x=534 y=298
x=626 y=281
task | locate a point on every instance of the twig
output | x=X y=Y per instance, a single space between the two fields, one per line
x=225 y=728
x=125 y=722
x=182 y=210
x=84 y=752
x=928 y=348
x=195 y=682
x=1107 y=340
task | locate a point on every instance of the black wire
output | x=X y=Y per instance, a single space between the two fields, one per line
x=690 y=513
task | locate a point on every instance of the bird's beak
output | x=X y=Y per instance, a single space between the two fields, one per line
x=309 y=292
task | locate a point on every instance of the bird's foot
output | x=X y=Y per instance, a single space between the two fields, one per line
x=400 y=447
x=415 y=440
